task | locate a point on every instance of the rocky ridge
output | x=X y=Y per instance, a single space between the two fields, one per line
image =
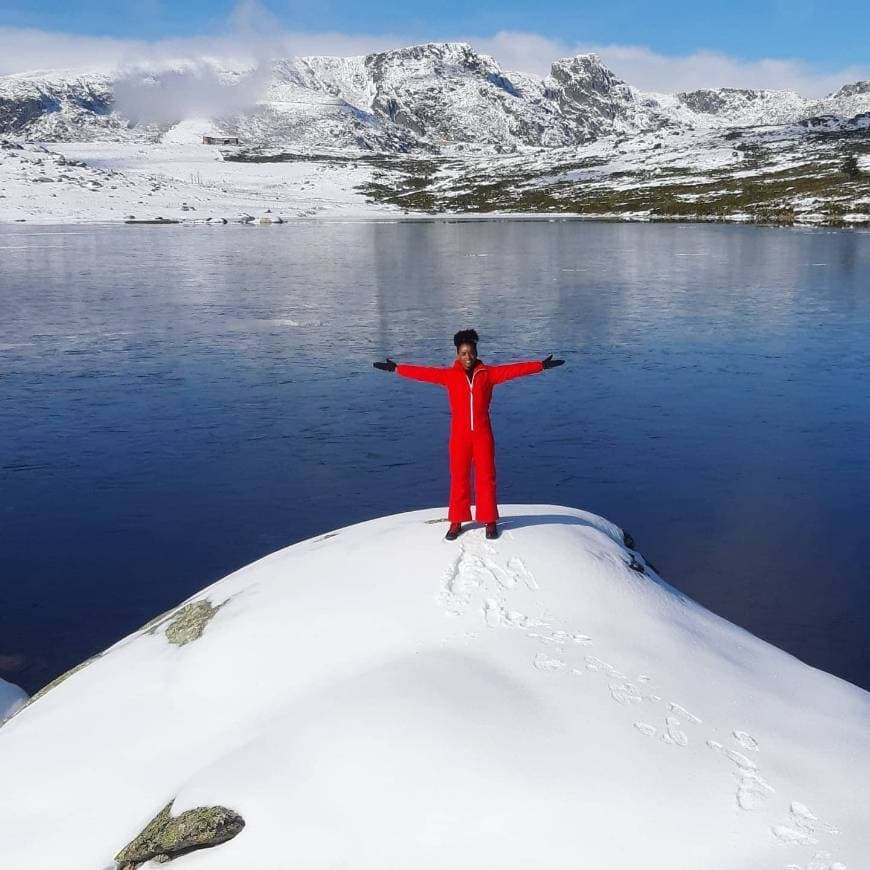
x=441 y=97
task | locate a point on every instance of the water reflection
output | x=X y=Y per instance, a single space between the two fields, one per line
x=177 y=401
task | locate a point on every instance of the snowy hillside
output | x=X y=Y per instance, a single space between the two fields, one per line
x=57 y=108
x=426 y=129
x=378 y=697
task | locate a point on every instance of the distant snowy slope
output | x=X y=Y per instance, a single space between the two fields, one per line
x=740 y=107
x=848 y=101
x=378 y=697
x=733 y=107
x=53 y=107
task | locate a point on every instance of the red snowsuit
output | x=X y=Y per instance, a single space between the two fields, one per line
x=470 y=430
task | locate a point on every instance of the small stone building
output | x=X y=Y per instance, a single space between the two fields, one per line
x=220 y=140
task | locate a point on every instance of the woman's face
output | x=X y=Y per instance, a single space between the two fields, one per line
x=467 y=354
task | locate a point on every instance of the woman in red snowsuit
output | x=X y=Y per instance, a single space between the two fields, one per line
x=469 y=383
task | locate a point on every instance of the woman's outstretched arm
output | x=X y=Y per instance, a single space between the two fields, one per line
x=500 y=374
x=428 y=374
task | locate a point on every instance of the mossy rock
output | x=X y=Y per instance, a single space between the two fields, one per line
x=185 y=623
x=189 y=622
x=166 y=836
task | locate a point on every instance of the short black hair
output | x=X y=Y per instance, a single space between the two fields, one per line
x=465 y=336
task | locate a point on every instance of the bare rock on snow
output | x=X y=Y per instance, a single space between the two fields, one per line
x=189 y=622
x=186 y=623
x=167 y=836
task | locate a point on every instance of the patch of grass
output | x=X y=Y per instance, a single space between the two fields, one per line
x=779 y=194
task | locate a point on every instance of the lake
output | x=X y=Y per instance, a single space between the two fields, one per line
x=177 y=401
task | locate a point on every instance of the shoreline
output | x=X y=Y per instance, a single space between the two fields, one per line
x=862 y=225
x=83 y=183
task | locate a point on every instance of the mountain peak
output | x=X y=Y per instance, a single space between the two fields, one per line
x=434 y=50
x=852 y=90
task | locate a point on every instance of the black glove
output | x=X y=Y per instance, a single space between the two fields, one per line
x=388 y=366
x=550 y=363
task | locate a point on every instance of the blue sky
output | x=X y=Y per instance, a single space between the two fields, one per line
x=804 y=44
x=833 y=33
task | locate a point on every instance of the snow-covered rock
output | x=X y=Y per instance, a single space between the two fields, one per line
x=378 y=697
x=742 y=107
x=12 y=699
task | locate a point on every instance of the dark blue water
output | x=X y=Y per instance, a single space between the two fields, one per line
x=177 y=401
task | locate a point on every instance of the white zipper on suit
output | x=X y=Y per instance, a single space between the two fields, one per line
x=471 y=396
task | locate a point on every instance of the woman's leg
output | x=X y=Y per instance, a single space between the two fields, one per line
x=459 y=510
x=485 y=505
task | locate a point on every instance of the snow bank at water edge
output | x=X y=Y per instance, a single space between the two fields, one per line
x=379 y=697
x=11 y=699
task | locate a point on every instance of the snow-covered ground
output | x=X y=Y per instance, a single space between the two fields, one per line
x=378 y=697
x=177 y=180
x=12 y=699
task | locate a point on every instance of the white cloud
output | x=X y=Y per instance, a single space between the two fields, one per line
x=29 y=50
x=525 y=52
x=706 y=69
x=254 y=36
x=192 y=91
x=651 y=71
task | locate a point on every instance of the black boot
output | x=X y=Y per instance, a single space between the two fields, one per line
x=453 y=531
x=491 y=531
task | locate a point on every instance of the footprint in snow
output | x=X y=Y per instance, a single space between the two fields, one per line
x=822 y=861
x=593 y=663
x=522 y=573
x=674 y=735
x=516 y=619
x=753 y=790
x=746 y=740
x=492 y=613
x=625 y=693
x=680 y=710
x=555 y=638
x=737 y=757
x=804 y=819
x=793 y=836
x=543 y=662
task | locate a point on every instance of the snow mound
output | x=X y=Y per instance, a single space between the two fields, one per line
x=378 y=697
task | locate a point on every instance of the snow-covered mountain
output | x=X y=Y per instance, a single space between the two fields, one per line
x=56 y=108
x=432 y=97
